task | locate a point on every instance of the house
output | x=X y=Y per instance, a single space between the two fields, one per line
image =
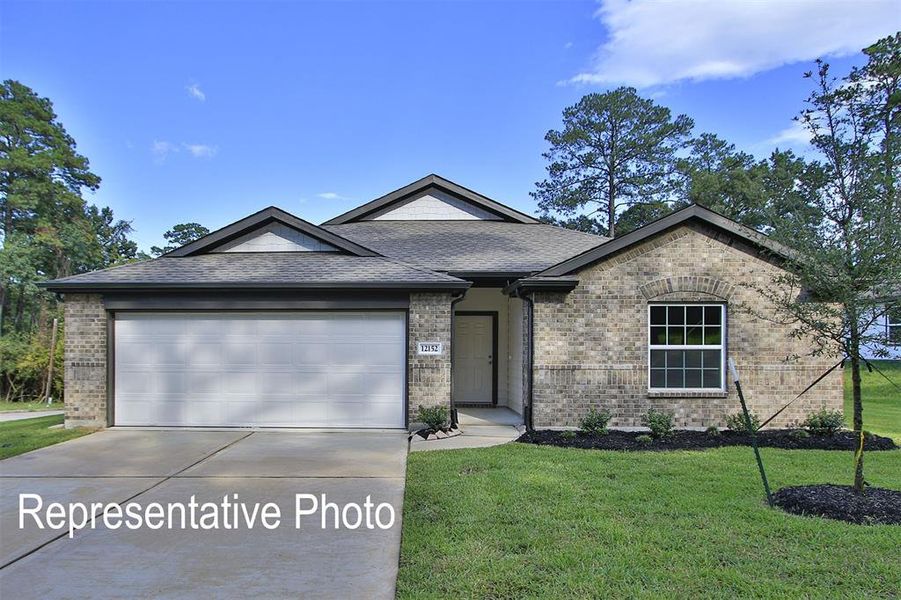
x=886 y=328
x=433 y=295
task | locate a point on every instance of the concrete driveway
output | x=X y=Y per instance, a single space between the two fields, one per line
x=171 y=466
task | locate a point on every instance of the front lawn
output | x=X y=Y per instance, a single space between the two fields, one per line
x=881 y=399
x=25 y=435
x=518 y=521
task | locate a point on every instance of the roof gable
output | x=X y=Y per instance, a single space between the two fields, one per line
x=270 y=220
x=694 y=212
x=275 y=237
x=448 y=201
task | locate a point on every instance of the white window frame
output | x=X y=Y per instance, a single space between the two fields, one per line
x=721 y=347
x=889 y=324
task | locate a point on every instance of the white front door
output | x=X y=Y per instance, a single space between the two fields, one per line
x=473 y=359
x=311 y=369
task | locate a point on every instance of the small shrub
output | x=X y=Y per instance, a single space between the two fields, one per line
x=595 y=422
x=799 y=434
x=713 y=431
x=824 y=421
x=644 y=439
x=738 y=424
x=660 y=422
x=568 y=435
x=435 y=417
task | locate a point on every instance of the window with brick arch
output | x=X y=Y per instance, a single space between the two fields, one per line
x=686 y=347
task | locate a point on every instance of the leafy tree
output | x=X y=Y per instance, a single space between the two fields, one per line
x=641 y=214
x=723 y=179
x=47 y=231
x=179 y=235
x=615 y=150
x=853 y=255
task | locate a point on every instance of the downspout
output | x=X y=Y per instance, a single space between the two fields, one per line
x=530 y=359
x=453 y=409
x=530 y=336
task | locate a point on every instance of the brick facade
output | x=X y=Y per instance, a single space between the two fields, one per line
x=85 y=361
x=429 y=377
x=591 y=344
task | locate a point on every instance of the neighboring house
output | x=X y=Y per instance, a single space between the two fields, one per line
x=433 y=295
x=887 y=327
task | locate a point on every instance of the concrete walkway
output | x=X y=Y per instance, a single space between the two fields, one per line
x=171 y=467
x=482 y=427
x=17 y=415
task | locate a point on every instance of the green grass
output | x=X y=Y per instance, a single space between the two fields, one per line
x=28 y=406
x=518 y=521
x=881 y=400
x=25 y=435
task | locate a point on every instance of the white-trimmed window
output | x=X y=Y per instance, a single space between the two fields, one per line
x=893 y=324
x=686 y=348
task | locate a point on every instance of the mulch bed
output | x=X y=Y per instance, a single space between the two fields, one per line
x=698 y=440
x=876 y=506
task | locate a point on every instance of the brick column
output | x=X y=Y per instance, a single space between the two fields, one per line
x=85 y=361
x=429 y=377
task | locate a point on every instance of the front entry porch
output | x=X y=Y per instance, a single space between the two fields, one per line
x=488 y=355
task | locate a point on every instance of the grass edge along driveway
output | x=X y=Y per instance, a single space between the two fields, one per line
x=25 y=435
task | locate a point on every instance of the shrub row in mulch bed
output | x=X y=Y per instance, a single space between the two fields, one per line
x=876 y=506
x=787 y=439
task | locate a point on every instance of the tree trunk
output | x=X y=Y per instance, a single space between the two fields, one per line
x=858 y=411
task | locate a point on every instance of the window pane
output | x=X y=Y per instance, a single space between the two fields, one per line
x=695 y=336
x=658 y=335
x=658 y=358
x=676 y=315
x=711 y=359
x=692 y=378
x=712 y=315
x=693 y=359
x=894 y=334
x=674 y=378
x=894 y=314
x=658 y=315
x=712 y=336
x=694 y=315
x=711 y=378
x=658 y=378
x=676 y=335
x=674 y=359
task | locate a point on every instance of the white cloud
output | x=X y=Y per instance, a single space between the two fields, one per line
x=567 y=45
x=161 y=149
x=195 y=92
x=651 y=42
x=797 y=135
x=331 y=196
x=201 y=150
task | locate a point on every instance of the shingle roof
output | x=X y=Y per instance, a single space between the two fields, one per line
x=262 y=269
x=470 y=246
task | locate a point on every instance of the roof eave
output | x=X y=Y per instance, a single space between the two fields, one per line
x=691 y=212
x=261 y=218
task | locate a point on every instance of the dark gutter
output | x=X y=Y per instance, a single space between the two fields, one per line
x=528 y=285
x=95 y=287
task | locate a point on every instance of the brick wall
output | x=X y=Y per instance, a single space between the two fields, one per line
x=591 y=344
x=85 y=361
x=429 y=376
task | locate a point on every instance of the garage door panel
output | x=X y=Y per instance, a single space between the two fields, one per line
x=261 y=369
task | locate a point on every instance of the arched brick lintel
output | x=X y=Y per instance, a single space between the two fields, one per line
x=691 y=284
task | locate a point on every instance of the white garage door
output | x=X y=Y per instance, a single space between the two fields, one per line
x=260 y=369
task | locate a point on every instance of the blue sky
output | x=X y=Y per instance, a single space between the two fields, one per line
x=210 y=111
